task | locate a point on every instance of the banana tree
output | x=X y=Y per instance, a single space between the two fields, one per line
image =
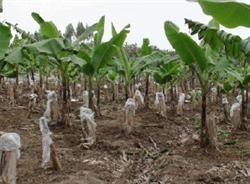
x=167 y=73
x=123 y=65
x=146 y=49
x=61 y=54
x=152 y=63
x=233 y=14
x=100 y=54
x=130 y=67
x=194 y=56
x=113 y=77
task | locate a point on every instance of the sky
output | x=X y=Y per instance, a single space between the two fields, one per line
x=146 y=17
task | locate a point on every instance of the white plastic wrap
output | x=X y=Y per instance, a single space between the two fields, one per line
x=105 y=86
x=88 y=116
x=159 y=96
x=239 y=98
x=78 y=90
x=180 y=104
x=235 y=107
x=139 y=99
x=129 y=114
x=46 y=140
x=47 y=112
x=52 y=96
x=214 y=90
x=181 y=99
x=224 y=100
x=130 y=106
x=213 y=97
x=85 y=96
x=138 y=85
x=33 y=97
x=10 y=142
x=160 y=103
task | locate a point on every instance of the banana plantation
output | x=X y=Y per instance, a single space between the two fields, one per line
x=75 y=109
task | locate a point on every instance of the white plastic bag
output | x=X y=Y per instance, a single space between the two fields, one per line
x=160 y=103
x=129 y=107
x=235 y=115
x=10 y=142
x=85 y=96
x=224 y=100
x=88 y=125
x=239 y=98
x=52 y=95
x=180 y=105
x=138 y=85
x=46 y=140
x=9 y=152
x=139 y=99
x=235 y=107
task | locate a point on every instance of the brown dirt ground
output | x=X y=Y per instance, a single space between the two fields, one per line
x=151 y=154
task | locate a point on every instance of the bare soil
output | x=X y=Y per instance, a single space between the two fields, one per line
x=154 y=153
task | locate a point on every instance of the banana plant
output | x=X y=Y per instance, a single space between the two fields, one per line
x=233 y=14
x=168 y=72
x=146 y=49
x=59 y=52
x=113 y=77
x=228 y=13
x=123 y=65
x=130 y=67
x=152 y=64
x=194 y=56
x=100 y=54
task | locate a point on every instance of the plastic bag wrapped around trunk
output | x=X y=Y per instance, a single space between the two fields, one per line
x=160 y=103
x=9 y=153
x=77 y=91
x=225 y=108
x=88 y=125
x=85 y=96
x=213 y=94
x=46 y=140
x=139 y=99
x=180 y=105
x=129 y=114
x=235 y=115
x=52 y=108
x=138 y=85
x=239 y=98
x=32 y=103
